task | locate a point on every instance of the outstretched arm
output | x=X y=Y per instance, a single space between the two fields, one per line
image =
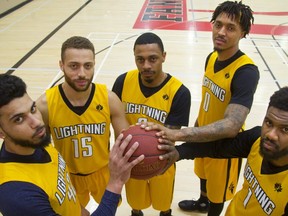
x=227 y=127
x=120 y=169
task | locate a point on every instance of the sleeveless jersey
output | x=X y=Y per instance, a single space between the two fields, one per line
x=51 y=177
x=155 y=108
x=262 y=194
x=82 y=140
x=216 y=92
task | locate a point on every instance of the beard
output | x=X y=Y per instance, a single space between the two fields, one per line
x=218 y=49
x=44 y=141
x=74 y=87
x=272 y=155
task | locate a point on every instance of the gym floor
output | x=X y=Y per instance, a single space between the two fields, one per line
x=31 y=38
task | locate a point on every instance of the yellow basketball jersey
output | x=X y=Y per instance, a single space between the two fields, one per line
x=52 y=177
x=82 y=140
x=155 y=108
x=216 y=93
x=262 y=194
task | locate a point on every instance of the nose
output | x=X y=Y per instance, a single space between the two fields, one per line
x=81 y=72
x=272 y=134
x=35 y=120
x=146 y=64
x=222 y=31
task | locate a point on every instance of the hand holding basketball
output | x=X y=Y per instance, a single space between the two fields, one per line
x=148 y=142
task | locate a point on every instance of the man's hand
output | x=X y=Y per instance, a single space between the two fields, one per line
x=119 y=166
x=163 y=131
x=172 y=154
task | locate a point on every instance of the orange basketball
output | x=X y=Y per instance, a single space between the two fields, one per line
x=148 y=142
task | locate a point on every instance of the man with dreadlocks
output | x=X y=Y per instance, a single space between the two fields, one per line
x=228 y=87
x=229 y=83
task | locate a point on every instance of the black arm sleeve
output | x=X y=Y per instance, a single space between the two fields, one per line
x=25 y=199
x=108 y=204
x=180 y=108
x=118 y=85
x=238 y=147
x=244 y=85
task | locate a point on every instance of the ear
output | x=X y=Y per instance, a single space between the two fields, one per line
x=2 y=134
x=164 y=56
x=242 y=34
x=61 y=65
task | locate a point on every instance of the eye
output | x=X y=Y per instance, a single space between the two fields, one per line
x=231 y=28
x=217 y=25
x=268 y=122
x=140 y=60
x=73 y=66
x=153 y=59
x=33 y=109
x=19 y=119
x=285 y=129
x=88 y=66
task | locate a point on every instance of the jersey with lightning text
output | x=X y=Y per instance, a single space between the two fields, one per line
x=155 y=108
x=216 y=89
x=82 y=139
x=262 y=194
x=61 y=193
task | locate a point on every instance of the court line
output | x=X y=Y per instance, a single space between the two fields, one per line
x=105 y=57
x=266 y=64
x=25 y=15
x=25 y=57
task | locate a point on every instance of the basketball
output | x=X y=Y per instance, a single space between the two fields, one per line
x=148 y=142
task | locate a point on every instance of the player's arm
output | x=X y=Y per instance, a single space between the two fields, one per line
x=228 y=127
x=120 y=169
x=25 y=199
x=117 y=111
x=238 y=147
x=243 y=88
x=42 y=106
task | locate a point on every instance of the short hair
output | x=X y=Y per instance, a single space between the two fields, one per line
x=77 y=42
x=279 y=99
x=149 y=38
x=11 y=87
x=237 y=11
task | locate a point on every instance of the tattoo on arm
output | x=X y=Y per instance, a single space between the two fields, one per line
x=234 y=118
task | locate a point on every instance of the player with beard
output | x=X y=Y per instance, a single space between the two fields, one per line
x=34 y=178
x=264 y=190
x=78 y=113
x=150 y=94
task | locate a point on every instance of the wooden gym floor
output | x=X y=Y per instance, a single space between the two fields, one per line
x=31 y=37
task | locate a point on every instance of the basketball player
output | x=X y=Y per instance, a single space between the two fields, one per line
x=34 y=178
x=264 y=190
x=78 y=114
x=150 y=94
x=228 y=88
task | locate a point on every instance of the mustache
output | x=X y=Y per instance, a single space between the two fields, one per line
x=38 y=129
x=266 y=139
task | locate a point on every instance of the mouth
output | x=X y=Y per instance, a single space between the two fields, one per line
x=82 y=82
x=219 y=41
x=269 y=146
x=40 y=132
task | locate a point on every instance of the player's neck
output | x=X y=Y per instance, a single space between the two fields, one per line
x=157 y=82
x=226 y=54
x=17 y=149
x=76 y=98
